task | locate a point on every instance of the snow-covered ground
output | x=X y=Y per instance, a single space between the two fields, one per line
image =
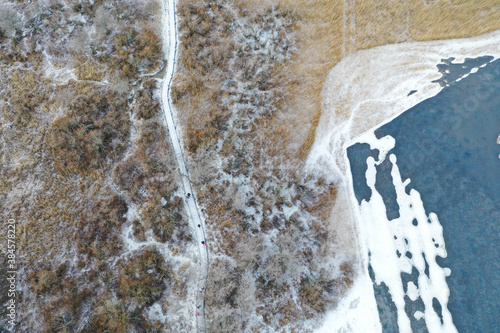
x=363 y=91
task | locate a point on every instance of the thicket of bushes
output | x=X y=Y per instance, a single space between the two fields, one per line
x=142 y=278
x=97 y=235
x=140 y=282
x=269 y=220
x=92 y=132
x=68 y=142
x=70 y=305
x=136 y=51
x=149 y=175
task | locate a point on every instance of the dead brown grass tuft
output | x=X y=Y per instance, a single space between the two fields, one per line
x=87 y=69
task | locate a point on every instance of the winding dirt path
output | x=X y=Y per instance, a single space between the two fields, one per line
x=196 y=220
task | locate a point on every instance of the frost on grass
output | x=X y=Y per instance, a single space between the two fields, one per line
x=85 y=159
x=270 y=231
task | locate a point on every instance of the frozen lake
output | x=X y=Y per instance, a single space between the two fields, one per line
x=435 y=170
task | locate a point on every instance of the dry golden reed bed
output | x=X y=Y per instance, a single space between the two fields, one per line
x=330 y=29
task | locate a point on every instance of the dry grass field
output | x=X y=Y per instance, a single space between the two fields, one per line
x=330 y=30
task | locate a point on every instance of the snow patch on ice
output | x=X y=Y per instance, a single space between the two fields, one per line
x=385 y=239
x=418 y=315
x=412 y=291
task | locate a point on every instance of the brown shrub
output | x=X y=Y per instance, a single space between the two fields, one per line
x=97 y=234
x=316 y=295
x=62 y=312
x=223 y=283
x=146 y=106
x=159 y=219
x=136 y=52
x=43 y=281
x=110 y=317
x=94 y=130
x=323 y=206
x=89 y=70
x=143 y=278
x=24 y=96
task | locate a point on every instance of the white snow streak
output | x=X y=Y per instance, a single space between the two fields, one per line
x=385 y=239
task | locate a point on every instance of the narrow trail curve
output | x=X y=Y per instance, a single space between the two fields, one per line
x=169 y=34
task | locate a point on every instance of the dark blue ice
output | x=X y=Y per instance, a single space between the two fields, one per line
x=447 y=146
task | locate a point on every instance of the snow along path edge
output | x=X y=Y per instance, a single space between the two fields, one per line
x=169 y=35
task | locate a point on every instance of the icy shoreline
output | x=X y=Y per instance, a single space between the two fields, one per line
x=363 y=91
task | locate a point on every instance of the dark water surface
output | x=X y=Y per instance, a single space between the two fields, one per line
x=447 y=146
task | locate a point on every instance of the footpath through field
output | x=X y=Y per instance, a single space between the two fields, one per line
x=196 y=220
